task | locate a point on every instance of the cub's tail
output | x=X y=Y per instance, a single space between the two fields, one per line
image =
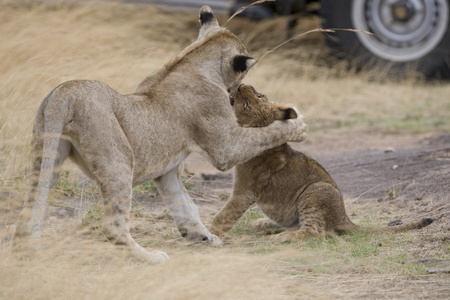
x=404 y=227
x=351 y=227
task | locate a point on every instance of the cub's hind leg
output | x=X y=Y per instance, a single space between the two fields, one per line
x=312 y=225
x=317 y=213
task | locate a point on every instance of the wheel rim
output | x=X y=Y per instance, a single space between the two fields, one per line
x=404 y=30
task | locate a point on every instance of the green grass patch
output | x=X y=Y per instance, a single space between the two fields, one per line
x=146 y=188
x=244 y=225
x=137 y=210
x=360 y=252
x=165 y=215
x=150 y=188
x=67 y=185
x=94 y=216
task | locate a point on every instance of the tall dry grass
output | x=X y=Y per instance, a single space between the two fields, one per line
x=72 y=268
x=45 y=44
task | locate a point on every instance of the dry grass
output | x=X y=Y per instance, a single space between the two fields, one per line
x=45 y=45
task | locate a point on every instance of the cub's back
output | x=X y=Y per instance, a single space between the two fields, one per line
x=282 y=171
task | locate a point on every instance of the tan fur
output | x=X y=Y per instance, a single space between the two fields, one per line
x=291 y=188
x=125 y=140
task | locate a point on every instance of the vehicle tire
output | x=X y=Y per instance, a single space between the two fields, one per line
x=409 y=35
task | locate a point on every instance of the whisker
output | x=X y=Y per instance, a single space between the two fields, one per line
x=244 y=8
x=331 y=30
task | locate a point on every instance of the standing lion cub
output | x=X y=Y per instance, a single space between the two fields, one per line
x=291 y=188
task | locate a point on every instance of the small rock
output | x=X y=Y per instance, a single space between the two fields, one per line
x=389 y=149
x=439 y=270
x=395 y=223
x=394 y=167
x=431 y=261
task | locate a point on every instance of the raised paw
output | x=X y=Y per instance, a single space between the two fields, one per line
x=301 y=129
x=304 y=135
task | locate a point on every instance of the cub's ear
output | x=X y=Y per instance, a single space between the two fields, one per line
x=207 y=20
x=284 y=113
x=243 y=63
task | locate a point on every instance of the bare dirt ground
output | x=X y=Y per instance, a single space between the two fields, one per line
x=385 y=142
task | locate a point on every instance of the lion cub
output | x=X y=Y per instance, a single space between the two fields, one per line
x=291 y=188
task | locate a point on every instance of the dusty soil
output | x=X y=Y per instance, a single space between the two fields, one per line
x=409 y=173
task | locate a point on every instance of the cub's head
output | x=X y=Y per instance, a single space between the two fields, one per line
x=253 y=109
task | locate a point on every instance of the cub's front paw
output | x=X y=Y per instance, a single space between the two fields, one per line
x=289 y=236
x=265 y=223
x=284 y=237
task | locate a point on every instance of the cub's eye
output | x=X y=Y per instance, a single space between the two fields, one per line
x=259 y=96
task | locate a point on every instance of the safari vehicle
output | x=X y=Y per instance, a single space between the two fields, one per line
x=408 y=35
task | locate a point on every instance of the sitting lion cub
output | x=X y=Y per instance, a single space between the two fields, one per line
x=291 y=188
